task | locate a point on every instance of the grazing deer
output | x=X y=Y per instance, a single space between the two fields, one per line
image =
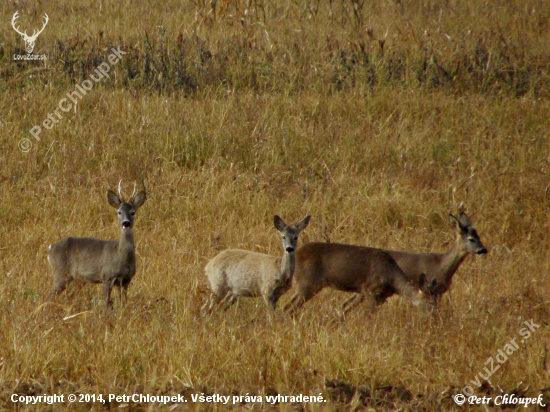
x=238 y=273
x=362 y=270
x=442 y=266
x=111 y=262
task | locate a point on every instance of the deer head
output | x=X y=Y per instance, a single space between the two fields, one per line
x=29 y=40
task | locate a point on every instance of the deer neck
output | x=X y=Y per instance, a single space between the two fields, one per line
x=126 y=243
x=288 y=263
x=450 y=262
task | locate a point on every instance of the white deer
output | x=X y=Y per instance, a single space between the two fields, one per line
x=29 y=40
x=236 y=273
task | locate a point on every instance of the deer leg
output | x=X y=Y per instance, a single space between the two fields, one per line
x=59 y=286
x=119 y=291
x=212 y=301
x=206 y=309
x=216 y=297
x=124 y=290
x=107 y=286
x=272 y=298
x=349 y=304
x=350 y=300
x=122 y=293
x=295 y=301
x=437 y=299
x=298 y=300
x=228 y=301
x=293 y=304
x=60 y=276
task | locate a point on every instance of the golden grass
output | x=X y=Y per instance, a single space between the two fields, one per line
x=296 y=110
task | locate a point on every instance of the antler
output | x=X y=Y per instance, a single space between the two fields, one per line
x=37 y=32
x=120 y=191
x=134 y=192
x=13 y=19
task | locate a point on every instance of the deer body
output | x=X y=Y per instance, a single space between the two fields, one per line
x=236 y=273
x=253 y=278
x=367 y=272
x=111 y=262
x=442 y=266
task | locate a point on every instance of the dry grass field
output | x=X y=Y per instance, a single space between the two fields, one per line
x=378 y=118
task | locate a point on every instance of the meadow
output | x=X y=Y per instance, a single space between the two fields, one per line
x=378 y=118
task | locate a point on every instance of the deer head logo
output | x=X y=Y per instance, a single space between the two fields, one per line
x=29 y=40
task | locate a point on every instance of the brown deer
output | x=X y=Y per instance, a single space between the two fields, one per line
x=367 y=272
x=236 y=273
x=441 y=267
x=111 y=262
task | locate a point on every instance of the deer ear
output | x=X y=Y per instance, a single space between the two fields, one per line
x=465 y=220
x=279 y=223
x=302 y=224
x=457 y=223
x=113 y=199
x=139 y=199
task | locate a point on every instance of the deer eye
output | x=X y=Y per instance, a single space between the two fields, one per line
x=472 y=240
x=284 y=237
x=132 y=213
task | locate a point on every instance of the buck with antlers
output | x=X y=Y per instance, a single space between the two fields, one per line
x=29 y=40
x=441 y=267
x=111 y=262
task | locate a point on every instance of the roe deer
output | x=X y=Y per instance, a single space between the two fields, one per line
x=236 y=273
x=350 y=268
x=111 y=262
x=442 y=266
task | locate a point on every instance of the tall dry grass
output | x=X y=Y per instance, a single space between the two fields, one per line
x=378 y=119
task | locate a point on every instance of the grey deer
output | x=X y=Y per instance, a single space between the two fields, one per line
x=111 y=262
x=367 y=272
x=236 y=273
x=441 y=267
